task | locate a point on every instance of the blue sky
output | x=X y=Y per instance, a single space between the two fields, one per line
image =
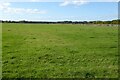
x=59 y=11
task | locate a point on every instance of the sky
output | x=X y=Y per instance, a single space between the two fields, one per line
x=75 y=10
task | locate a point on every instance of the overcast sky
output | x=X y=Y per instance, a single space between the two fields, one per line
x=76 y=10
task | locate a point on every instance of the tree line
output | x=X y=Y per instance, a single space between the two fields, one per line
x=65 y=22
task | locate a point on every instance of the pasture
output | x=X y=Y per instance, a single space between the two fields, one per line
x=59 y=51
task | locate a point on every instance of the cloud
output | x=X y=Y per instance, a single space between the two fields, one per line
x=73 y=2
x=56 y=0
x=65 y=3
x=4 y=5
x=31 y=0
x=105 y=0
x=22 y=10
x=34 y=0
x=81 y=2
x=5 y=8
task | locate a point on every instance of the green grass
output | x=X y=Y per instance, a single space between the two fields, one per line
x=59 y=51
x=0 y=50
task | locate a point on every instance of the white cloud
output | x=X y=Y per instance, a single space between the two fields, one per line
x=105 y=0
x=65 y=3
x=73 y=2
x=34 y=0
x=81 y=2
x=55 y=0
x=22 y=10
x=4 y=5
x=5 y=8
x=31 y=0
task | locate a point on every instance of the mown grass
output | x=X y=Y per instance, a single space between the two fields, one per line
x=0 y=50
x=59 y=51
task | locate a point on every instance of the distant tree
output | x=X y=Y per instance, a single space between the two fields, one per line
x=22 y=21
x=114 y=21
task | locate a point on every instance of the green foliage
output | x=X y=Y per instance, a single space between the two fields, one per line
x=59 y=51
x=66 y=22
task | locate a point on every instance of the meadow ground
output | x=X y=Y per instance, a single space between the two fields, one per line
x=59 y=51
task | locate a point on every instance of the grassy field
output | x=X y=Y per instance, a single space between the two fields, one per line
x=59 y=51
x=0 y=50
